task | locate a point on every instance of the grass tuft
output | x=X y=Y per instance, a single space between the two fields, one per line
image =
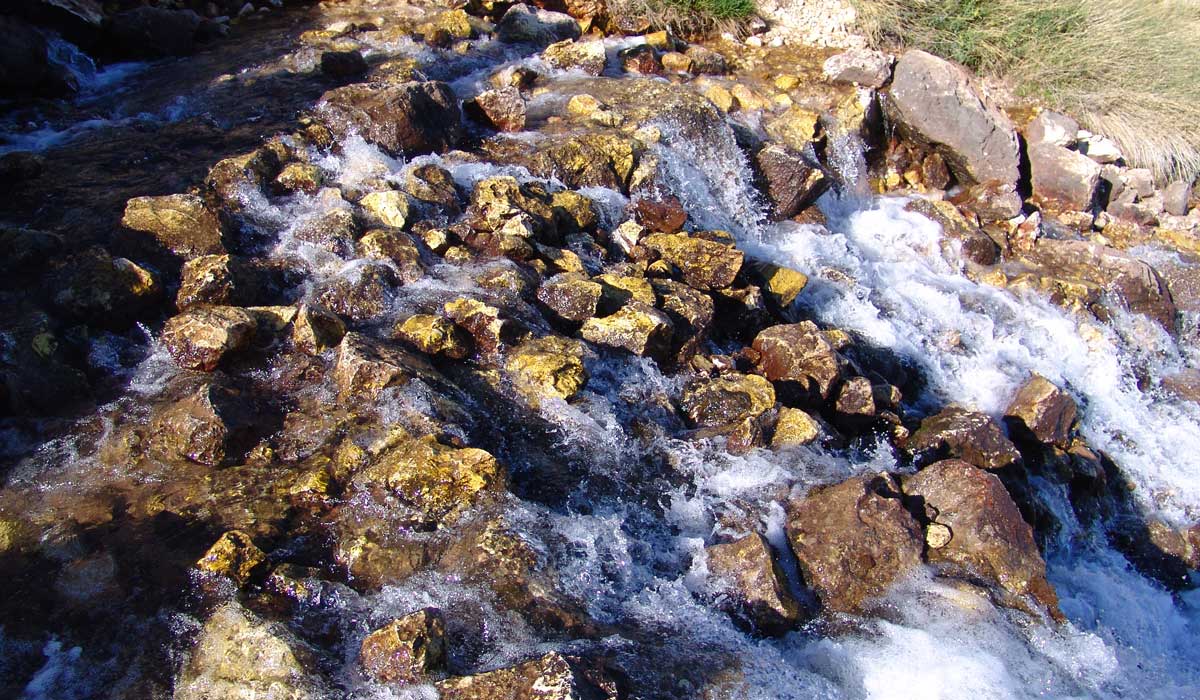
x=689 y=17
x=1129 y=69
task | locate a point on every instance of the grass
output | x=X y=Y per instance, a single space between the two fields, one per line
x=688 y=17
x=1129 y=69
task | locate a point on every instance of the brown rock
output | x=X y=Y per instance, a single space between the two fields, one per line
x=1041 y=411
x=794 y=427
x=587 y=56
x=179 y=222
x=800 y=355
x=727 y=399
x=706 y=61
x=856 y=399
x=665 y=215
x=502 y=108
x=209 y=279
x=396 y=246
x=691 y=314
x=407 y=119
x=791 y=183
x=207 y=424
x=642 y=59
x=333 y=230
x=962 y=434
x=490 y=332
x=1062 y=178
x=551 y=677
x=363 y=293
x=637 y=327
x=570 y=297
x=705 y=264
x=97 y=288
x=365 y=367
x=315 y=330
x=755 y=587
x=434 y=184
x=201 y=337
x=406 y=650
x=550 y=367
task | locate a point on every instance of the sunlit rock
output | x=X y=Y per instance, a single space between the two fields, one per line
x=587 y=56
x=636 y=327
x=753 y=586
x=233 y=555
x=180 y=223
x=405 y=119
x=201 y=337
x=365 y=367
x=501 y=108
x=435 y=335
x=704 y=264
x=794 y=428
x=1041 y=411
x=801 y=356
x=962 y=434
x=205 y=424
x=549 y=367
x=407 y=649
x=570 y=297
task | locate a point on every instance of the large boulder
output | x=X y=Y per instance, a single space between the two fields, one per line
x=801 y=357
x=181 y=223
x=962 y=434
x=753 y=587
x=854 y=540
x=1062 y=178
x=938 y=104
x=1042 y=412
x=523 y=24
x=550 y=677
x=406 y=119
x=987 y=537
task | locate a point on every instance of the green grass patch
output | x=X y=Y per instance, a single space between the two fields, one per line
x=716 y=9
x=688 y=18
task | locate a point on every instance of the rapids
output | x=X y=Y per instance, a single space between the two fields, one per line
x=627 y=543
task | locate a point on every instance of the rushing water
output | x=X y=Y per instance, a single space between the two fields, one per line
x=633 y=555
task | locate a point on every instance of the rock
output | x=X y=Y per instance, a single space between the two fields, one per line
x=988 y=538
x=179 y=222
x=1041 y=411
x=796 y=128
x=385 y=208
x=24 y=60
x=454 y=23
x=587 y=56
x=435 y=335
x=800 y=355
x=361 y=293
x=211 y=279
x=427 y=484
x=675 y=62
x=232 y=178
x=781 y=284
x=240 y=657
x=299 y=177
x=1176 y=197
x=854 y=540
x=641 y=59
x=501 y=108
x=855 y=400
x=365 y=367
x=637 y=327
x=790 y=182
x=1100 y=149
x=1051 y=128
x=962 y=434
x=209 y=424
x=937 y=103
x=95 y=287
x=975 y=245
x=1063 y=178
x=705 y=264
x=406 y=650
x=201 y=337
x=343 y=65
x=726 y=400
x=522 y=24
x=153 y=32
x=550 y=367
x=316 y=330
x=233 y=555
x=663 y=215
x=754 y=587
x=551 y=677
x=497 y=200
x=26 y=249
x=794 y=428
x=691 y=313
x=859 y=67
x=578 y=161
x=407 y=119
x=490 y=332
x=394 y=246
x=706 y=61
x=333 y=230
x=434 y=184
x=570 y=298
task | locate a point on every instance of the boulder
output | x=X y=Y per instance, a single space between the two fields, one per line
x=365 y=367
x=523 y=24
x=407 y=119
x=641 y=60
x=181 y=223
x=570 y=297
x=550 y=677
x=636 y=327
x=937 y=103
x=212 y=279
x=691 y=313
x=362 y=293
x=987 y=537
x=298 y=177
x=587 y=56
x=343 y=65
x=209 y=424
x=201 y=337
x=780 y=284
x=789 y=181
x=801 y=356
x=1062 y=178
x=435 y=335
x=407 y=649
x=854 y=540
x=704 y=264
x=1051 y=128
x=752 y=585
x=233 y=555
x=863 y=67
x=961 y=434
x=501 y=108
x=549 y=367
x=794 y=428
x=333 y=230
x=726 y=400
x=1041 y=411
x=102 y=290
x=154 y=32
x=316 y=330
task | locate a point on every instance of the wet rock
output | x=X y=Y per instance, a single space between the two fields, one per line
x=618 y=290
x=497 y=200
x=794 y=428
x=407 y=119
x=201 y=337
x=975 y=245
x=490 y=332
x=361 y=294
x=705 y=61
x=209 y=424
x=501 y=108
x=988 y=538
x=316 y=330
x=801 y=355
x=406 y=650
x=365 y=367
x=795 y=128
x=237 y=655
x=333 y=230
x=154 y=32
x=937 y=103
x=179 y=222
x=859 y=67
x=663 y=215
x=587 y=56
x=743 y=312
x=791 y=183
x=551 y=677
x=434 y=184
x=107 y=291
x=455 y=23
x=570 y=298
x=854 y=540
x=726 y=399
x=435 y=335
x=855 y=401
x=691 y=313
x=781 y=284
x=962 y=434
x=675 y=62
x=231 y=178
x=550 y=367
x=234 y=556
x=754 y=587
x=523 y=24
x=1041 y=411
x=1063 y=178
x=343 y=65
x=637 y=327
x=705 y=264
x=588 y=160
x=642 y=60
x=394 y=246
x=299 y=177
x=428 y=484
x=210 y=279
x=386 y=208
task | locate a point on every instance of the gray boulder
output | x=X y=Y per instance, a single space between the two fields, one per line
x=1062 y=178
x=523 y=24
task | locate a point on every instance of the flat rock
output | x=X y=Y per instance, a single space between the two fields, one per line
x=181 y=223
x=406 y=119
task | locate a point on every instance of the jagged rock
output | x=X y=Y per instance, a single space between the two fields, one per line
x=1041 y=411
x=799 y=354
x=691 y=314
x=483 y=322
x=382 y=244
x=315 y=330
x=435 y=335
x=727 y=399
x=791 y=183
x=1063 y=178
x=429 y=484
x=860 y=67
x=154 y=32
x=101 y=289
x=343 y=65
x=618 y=290
x=754 y=587
x=206 y=425
x=1053 y=128
x=523 y=24
x=578 y=161
x=406 y=650
x=794 y=427
x=642 y=60
x=551 y=677
x=240 y=657
x=795 y=128
x=502 y=108
x=201 y=337
x=233 y=555
x=385 y=208
x=299 y=177
x=365 y=367
x=497 y=200
x=362 y=293
x=587 y=56
x=230 y=178
x=637 y=327
x=550 y=367
x=854 y=540
x=937 y=103
x=1176 y=197
x=333 y=230
x=855 y=401
x=664 y=214
x=781 y=284
x=988 y=538
x=434 y=184
x=407 y=119
x=705 y=264
x=976 y=246
x=706 y=61
x=210 y=279
x=570 y=297
x=962 y=434
x=179 y=222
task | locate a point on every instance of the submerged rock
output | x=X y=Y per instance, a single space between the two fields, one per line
x=754 y=586
x=181 y=223
x=551 y=677
x=407 y=119
x=407 y=649
x=95 y=287
x=209 y=424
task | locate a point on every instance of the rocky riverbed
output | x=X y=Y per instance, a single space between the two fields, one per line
x=387 y=350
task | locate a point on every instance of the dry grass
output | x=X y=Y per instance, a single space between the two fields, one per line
x=688 y=18
x=1129 y=69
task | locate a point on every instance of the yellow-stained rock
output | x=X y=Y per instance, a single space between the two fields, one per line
x=794 y=427
x=550 y=367
x=386 y=208
x=435 y=335
x=233 y=555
